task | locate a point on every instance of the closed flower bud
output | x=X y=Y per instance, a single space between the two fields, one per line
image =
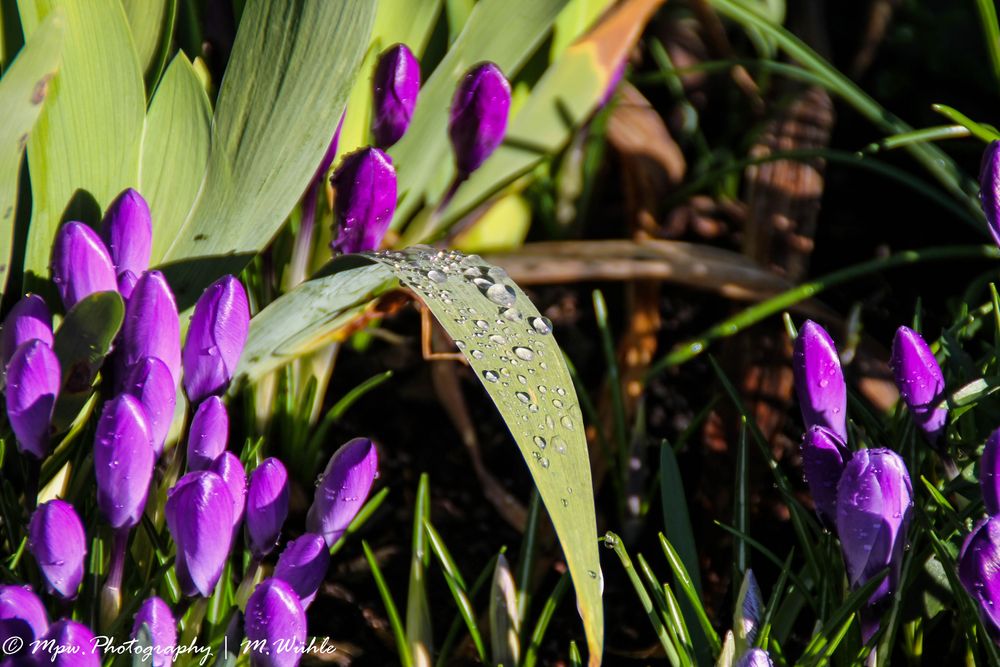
x=123 y=461
x=21 y=615
x=819 y=380
x=275 y=625
x=80 y=264
x=127 y=230
x=151 y=384
x=874 y=502
x=152 y=327
x=29 y=319
x=343 y=488
x=920 y=382
x=126 y=284
x=303 y=565
x=156 y=616
x=989 y=188
x=989 y=474
x=267 y=505
x=229 y=468
x=478 y=116
x=58 y=543
x=73 y=645
x=979 y=571
x=755 y=657
x=199 y=513
x=215 y=339
x=33 y=379
x=365 y=183
x=208 y=434
x=395 y=88
x=823 y=460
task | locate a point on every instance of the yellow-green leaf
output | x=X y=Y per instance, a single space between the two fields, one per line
x=147 y=19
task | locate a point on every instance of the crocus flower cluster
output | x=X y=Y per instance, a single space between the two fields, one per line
x=979 y=559
x=989 y=188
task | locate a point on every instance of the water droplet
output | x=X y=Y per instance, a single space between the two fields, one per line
x=567 y=423
x=544 y=462
x=460 y=344
x=501 y=294
x=565 y=503
x=437 y=276
x=593 y=575
x=482 y=324
x=497 y=273
x=490 y=376
x=559 y=445
x=477 y=354
x=539 y=441
x=560 y=391
x=523 y=397
x=524 y=353
x=498 y=339
x=542 y=325
x=482 y=283
x=522 y=379
x=559 y=405
x=471 y=272
x=511 y=314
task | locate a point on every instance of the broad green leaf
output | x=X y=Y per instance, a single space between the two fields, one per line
x=574 y=20
x=23 y=88
x=147 y=19
x=502 y=228
x=174 y=150
x=292 y=67
x=458 y=12
x=84 y=149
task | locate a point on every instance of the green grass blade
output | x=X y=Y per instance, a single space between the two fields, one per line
x=991 y=33
x=691 y=593
x=741 y=503
x=477 y=585
x=419 y=631
x=390 y=607
x=504 y=623
x=825 y=642
x=526 y=559
x=440 y=550
x=468 y=614
x=366 y=512
x=542 y=624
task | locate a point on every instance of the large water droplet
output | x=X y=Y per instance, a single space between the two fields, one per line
x=567 y=423
x=490 y=376
x=501 y=294
x=523 y=397
x=477 y=354
x=497 y=273
x=524 y=353
x=437 y=276
x=539 y=441
x=542 y=325
x=511 y=314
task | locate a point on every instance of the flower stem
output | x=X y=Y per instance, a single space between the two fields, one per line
x=111 y=594
x=247 y=585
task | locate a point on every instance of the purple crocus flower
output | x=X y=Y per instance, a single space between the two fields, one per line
x=365 y=183
x=478 y=116
x=199 y=513
x=208 y=434
x=150 y=382
x=228 y=467
x=72 y=643
x=823 y=460
x=395 y=88
x=21 y=615
x=874 y=502
x=989 y=188
x=215 y=338
x=303 y=565
x=80 y=264
x=979 y=571
x=343 y=488
x=58 y=543
x=127 y=230
x=267 y=505
x=156 y=616
x=755 y=657
x=152 y=327
x=126 y=284
x=123 y=461
x=819 y=380
x=29 y=319
x=989 y=474
x=275 y=625
x=33 y=379
x=920 y=382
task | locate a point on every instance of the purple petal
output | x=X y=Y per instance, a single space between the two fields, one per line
x=29 y=319
x=920 y=382
x=989 y=474
x=199 y=513
x=151 y=383
x=58 y=543
x=365 y=183
x=275 y=625
x=267 y=505
x=989 y=188
x=127 y=230
x=152 y=327
x=228 y=467
x=819 y=380
x=303 y=565
x=72 y=645
x=208 y=434
x=33 y=380
x=157 y=617
x=478 y=116
x=345 y=485
x=979 y=570
x=80 y=264
x=216 y=338
x=123 y=461
x=126 y=284
x=21 y=614
x=823 y=458
x=394 y=96
x=755 y=657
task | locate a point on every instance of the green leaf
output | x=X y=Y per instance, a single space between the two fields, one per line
x=292 y=67
x=419 y=630
x=147 y=19
x=825 y=642
x=23 y=88
x=85 y=147
x=390 y=607
x=573 y=21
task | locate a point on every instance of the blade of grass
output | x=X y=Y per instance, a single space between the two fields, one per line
x=741 y=504
x=544 y=618
x=390 y=607
x=456 y=624
x=419 y=632
x=825 y=642
x=691 y=593
x=991 y=33
x=526 y=559
x=979 y=130
x=366 y=512
x=468 y=614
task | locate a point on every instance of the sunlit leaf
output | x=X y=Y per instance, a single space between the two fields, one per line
x=147 y=20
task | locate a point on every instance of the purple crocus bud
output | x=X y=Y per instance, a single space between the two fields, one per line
x=979 y=571
x=478 y=116
x=989 y=474
x=33 y=379
x=989 y=188
x=216 y=338
x=72 y=645
x=80 y=264
x=228 y=467
x=303 y=565
x=150 y=382
x=267 y=505
x=343 y=488
x=395 y=88
x=58 y=543
x=874 y=501
x=152 y=327
x=755 y=657
x=920 y=382
x=123 y=461
x=365 y=183
x=21 y=615
x=29 y=319
x=819 y=380
x=156 y=616
x=275 y=625
x=127 y=230
x=208 y=434
x=199 y=513
x=823 y=460
x=126 y=284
